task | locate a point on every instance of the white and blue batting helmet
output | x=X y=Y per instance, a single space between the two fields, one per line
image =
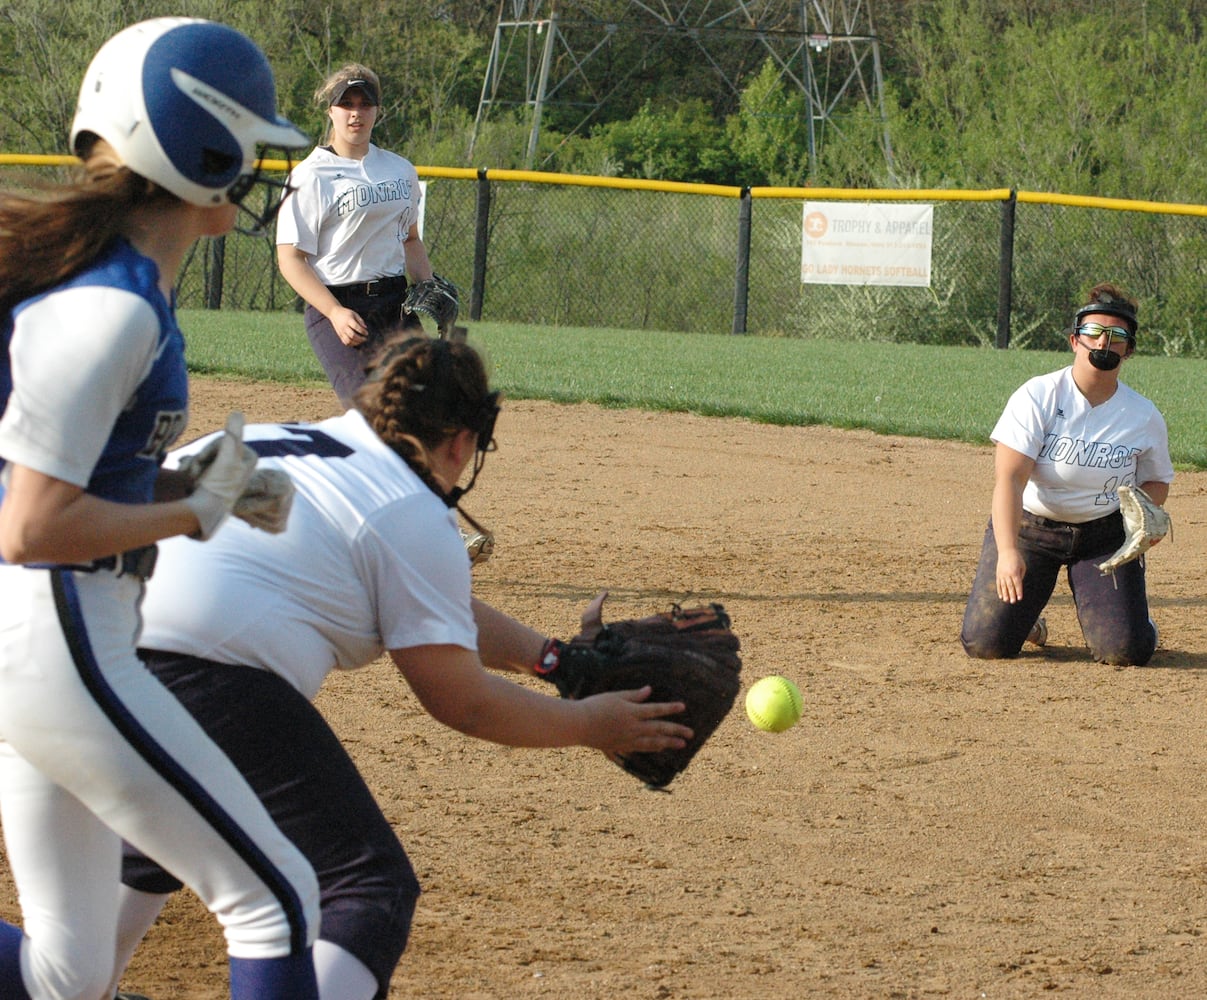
x=186 y=103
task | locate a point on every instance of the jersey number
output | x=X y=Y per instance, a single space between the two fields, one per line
x=309 y=441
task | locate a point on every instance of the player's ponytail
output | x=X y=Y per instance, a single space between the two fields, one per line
x=49 y=233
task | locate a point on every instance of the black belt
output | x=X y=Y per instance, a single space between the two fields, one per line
x=378 y=286
x=1047 y=522
x=137 y=562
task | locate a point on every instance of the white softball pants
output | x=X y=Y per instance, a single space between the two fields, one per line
x=96 y=750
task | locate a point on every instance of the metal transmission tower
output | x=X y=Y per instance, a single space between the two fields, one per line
x=577 y=56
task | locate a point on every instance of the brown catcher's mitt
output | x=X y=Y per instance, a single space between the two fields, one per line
x=1144 y=524
x=684 y=654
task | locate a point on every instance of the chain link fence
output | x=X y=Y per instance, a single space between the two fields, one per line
x=1156 y=253
x=1007 y=268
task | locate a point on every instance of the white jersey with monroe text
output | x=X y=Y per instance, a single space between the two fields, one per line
x=350 y=216
x=1082 y=453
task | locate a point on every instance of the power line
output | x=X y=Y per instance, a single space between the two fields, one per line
x=556 y=53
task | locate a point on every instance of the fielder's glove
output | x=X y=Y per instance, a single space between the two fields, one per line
x=1144 y=524
x=437 y=299
x=684 y=654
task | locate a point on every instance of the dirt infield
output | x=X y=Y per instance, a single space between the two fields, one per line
x=934 y=826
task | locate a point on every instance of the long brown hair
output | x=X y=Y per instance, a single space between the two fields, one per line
x=420 y=392
x=50 y=232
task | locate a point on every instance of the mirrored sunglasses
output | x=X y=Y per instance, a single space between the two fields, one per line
x=1096 y=330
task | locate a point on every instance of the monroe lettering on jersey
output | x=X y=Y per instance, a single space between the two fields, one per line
x=1082 y=452
x=1088 y=454
x=361 y=195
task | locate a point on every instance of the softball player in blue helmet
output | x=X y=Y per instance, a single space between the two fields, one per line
x=93 y=391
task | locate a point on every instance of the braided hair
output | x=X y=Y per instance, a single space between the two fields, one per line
x=420 y=392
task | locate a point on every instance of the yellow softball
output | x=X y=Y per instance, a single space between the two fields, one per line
x=774 y=704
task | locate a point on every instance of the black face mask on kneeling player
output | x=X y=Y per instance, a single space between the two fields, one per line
x=1104 y=359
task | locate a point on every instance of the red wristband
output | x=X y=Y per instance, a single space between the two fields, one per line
x=551 y=655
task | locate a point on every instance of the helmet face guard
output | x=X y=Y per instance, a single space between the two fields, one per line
x=190 y=105
x=275 y=193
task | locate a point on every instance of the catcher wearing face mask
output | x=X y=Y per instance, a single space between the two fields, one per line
x=1071 y=448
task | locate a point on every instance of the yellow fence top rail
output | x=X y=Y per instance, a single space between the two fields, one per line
x=878 y=194
x=1119 y=204
x=730 y=191
x=35 y=160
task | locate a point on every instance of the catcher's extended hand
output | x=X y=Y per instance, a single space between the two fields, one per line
x=437 y=299
x=1144 y=524
x=684 y=654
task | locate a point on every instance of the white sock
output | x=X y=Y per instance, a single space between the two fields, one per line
x=341 y=975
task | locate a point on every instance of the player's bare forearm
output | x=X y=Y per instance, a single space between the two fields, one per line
x=1012 y=470
x=616 y=722
x=297 y=270
x=1157 y=490
x=453 y=687
x=43 y=519
x=503 y=642
x=419 y=267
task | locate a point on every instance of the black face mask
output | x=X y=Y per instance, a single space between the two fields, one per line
x=1105 y=360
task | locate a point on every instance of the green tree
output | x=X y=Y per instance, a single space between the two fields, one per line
x=681 y=143
x=429 y=53
x=769 y=135
x=48 y=45
x=1082 y=96
x=430 y=66
x=992 y=101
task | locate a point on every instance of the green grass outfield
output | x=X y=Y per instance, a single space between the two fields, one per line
x=952 y=393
